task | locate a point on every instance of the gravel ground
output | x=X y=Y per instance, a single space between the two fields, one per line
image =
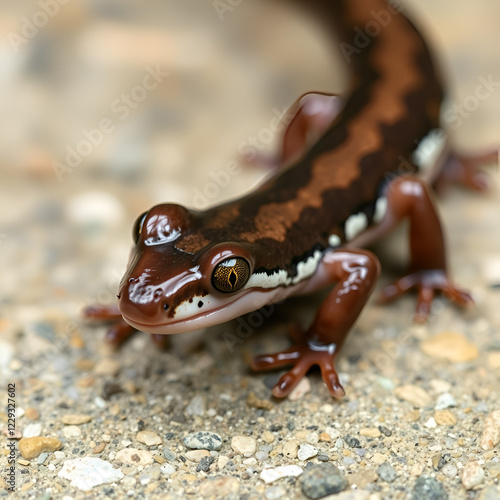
x=421 y=418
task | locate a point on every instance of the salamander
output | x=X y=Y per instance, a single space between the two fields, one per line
x=308 y=225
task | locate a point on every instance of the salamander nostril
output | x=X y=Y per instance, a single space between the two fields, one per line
x=133 y=280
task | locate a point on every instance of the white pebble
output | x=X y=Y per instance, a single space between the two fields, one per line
x=431 y=423
x=445 y=400
x=87 y=472
x=72 y=431
x=312 y=438
x=32 y=430
x=167 y=469
x=306 y=451
x=271 y=475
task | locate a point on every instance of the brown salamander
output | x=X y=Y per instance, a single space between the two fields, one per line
x=306 y=226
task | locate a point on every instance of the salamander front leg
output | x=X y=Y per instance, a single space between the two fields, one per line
x=119 y=331
x=355 y=272
x=409 y=197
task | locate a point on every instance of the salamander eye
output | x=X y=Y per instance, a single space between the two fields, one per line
x=136 y=230
x=231 y=274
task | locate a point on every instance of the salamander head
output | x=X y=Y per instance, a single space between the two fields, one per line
x=170 y=290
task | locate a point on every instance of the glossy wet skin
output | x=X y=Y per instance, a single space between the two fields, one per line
x=167 y=290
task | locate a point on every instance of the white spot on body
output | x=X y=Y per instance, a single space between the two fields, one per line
x=380 y=209
x=334 y=240
x=429 y=149
x=355 y=224
x=280 y=278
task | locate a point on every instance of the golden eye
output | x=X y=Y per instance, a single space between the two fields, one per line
x=231 y=274
x=136 y=230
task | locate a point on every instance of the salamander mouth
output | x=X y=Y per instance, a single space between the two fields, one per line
x=194 y=322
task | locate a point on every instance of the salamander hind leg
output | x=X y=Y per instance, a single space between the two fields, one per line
x=409 y=197
x=466 y=171
x=355 y=272
x=305 y=121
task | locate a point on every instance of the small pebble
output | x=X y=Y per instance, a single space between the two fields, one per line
x=321 y=480
x=271 y=475
x=306 y=451
x=255 y=402
x=428 y=488
x=42 y=457
x=450 y=470
x=244 y=445
x=196 y=407
x=274 y=492
x=132 y=456
x=445 y=417
x=312 y=438
x=491 y=431
x=203 y=441
x=370 y=432
x=87 y=472
x=196 y=455
x=32 y=447
x=325 y=437
x=302 y=388
x=290 y=449
x=444 y=401
x=167 y=469
x=76 y=419
x=222 y=462
x=72 y=431
x=98 y=448
x=268 y=437
x=386 y=472
x=352 y=495
x=352 y=442
x=32 y=414
x=379 y=458
x=452 y=346
x=204 y=464
x=490 y=493
x=431 y=423
x=150 y=475
x=219 y=486
x=169 y=454
x=32 y=430
x=362 y=478
x=472 y=475
x=326 y=408
x=148 y=438
x=440 y=386
x=414 y=395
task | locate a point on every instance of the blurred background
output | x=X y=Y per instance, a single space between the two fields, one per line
x=108 y=108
